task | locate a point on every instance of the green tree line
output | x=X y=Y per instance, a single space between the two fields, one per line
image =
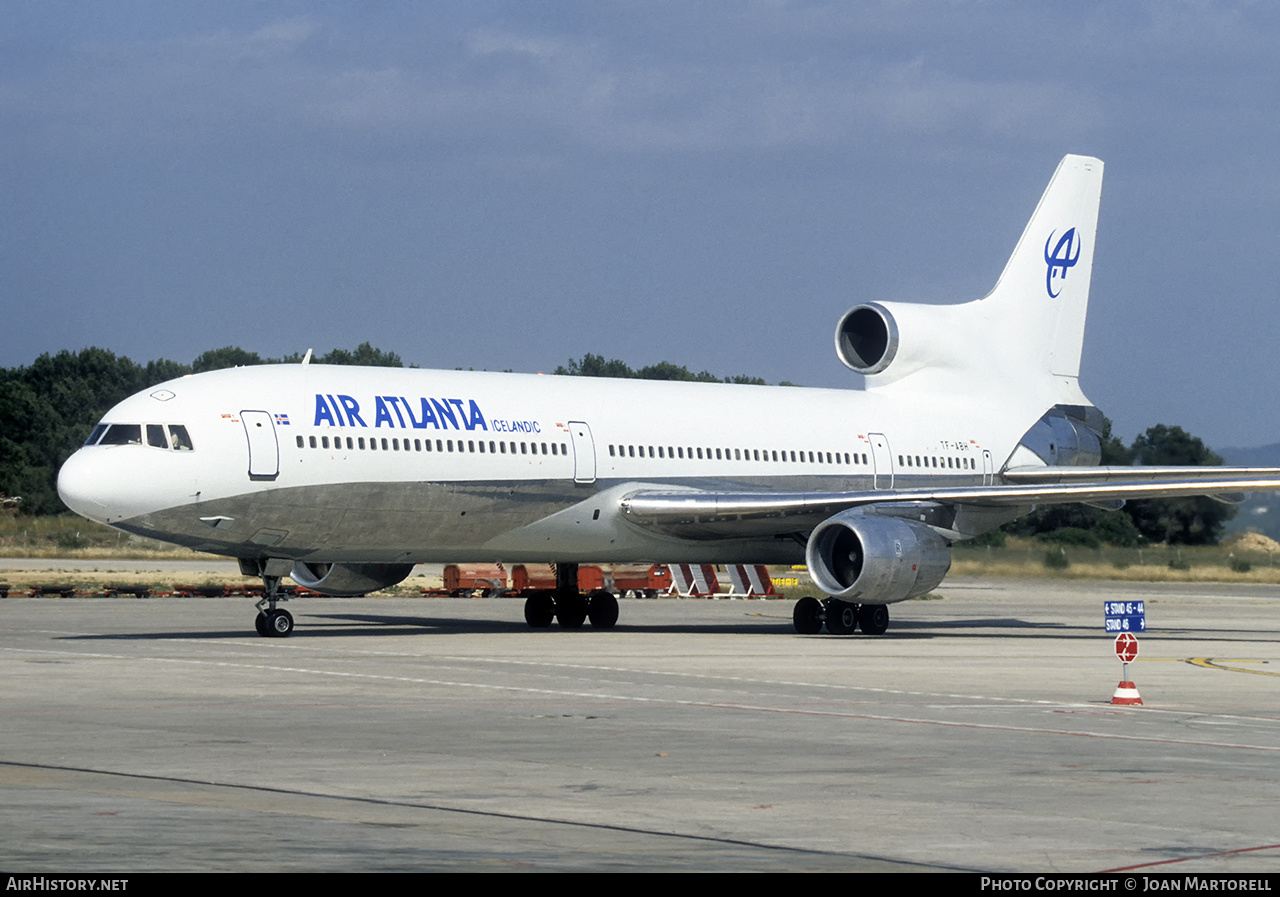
x=1176 y=521
x=596 y=366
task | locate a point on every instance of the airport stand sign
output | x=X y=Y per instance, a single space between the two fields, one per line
x=1124 y=616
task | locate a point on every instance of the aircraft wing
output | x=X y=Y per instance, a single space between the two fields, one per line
x=699 y=514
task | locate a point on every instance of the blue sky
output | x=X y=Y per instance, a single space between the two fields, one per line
x=511 y=185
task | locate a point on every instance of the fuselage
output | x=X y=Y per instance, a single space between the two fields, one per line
x=345 y=464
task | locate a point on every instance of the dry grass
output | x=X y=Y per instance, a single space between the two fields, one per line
x=1026 y=558
x=69 y=536
x=98 y=579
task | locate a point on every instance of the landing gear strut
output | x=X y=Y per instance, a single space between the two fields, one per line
x=571 y=605
x=272 y=621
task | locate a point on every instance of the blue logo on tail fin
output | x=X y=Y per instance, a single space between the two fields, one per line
x=1060 y=259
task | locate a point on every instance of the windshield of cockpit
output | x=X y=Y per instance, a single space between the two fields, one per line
x=163 y=436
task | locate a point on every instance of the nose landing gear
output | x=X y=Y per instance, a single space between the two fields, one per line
x=277 y=623
x=272 y=621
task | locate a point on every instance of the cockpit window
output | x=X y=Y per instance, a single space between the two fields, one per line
x=175 y=437
x=181 y=441
x=122 y=434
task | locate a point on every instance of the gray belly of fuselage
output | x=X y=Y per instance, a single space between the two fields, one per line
x=437 y=523
x=459 y=522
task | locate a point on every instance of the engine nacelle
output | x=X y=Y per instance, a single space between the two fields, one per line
x=867 y=338
x=887 y=341
x=348 y=579
x=876 y=560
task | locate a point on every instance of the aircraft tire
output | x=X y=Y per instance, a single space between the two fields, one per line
x=602 y=609
x=807 y=616
x=280 y=624
x=539 y=610
x=842 y=617
x=260 y=624
x=571 y=611
x=873 y=619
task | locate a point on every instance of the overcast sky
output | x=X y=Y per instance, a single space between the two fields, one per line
x=511 y=185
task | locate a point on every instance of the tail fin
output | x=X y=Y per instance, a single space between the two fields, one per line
x=1025 y=335
x=1043 y=293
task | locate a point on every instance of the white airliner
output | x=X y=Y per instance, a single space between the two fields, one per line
x=344 y=478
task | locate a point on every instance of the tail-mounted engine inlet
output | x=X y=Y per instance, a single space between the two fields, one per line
x=867 y=338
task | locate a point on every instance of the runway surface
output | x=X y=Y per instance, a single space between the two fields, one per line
x=423 y=734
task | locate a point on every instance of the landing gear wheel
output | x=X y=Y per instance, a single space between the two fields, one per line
x=602 y=609
x=842 y=617
x=271 y=622
x=873 y=618
x=807 y=616
x=571 y=611
x=279 y=624
x=539 y=610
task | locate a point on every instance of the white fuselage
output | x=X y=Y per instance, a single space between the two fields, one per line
x=317 y=462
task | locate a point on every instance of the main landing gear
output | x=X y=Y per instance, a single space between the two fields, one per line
x=272 y=621
x=569 y=606
x=840 y=617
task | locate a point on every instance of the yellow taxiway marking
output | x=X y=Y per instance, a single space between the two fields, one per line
x=1211 y=664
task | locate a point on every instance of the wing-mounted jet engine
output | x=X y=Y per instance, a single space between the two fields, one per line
x=880 y=560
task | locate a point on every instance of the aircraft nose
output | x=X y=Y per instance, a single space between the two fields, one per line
x=85 y=487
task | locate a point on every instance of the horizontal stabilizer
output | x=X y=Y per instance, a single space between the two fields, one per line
x=1055 y=475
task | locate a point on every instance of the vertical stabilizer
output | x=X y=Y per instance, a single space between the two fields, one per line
x=1021 y=341
x=1043 y=294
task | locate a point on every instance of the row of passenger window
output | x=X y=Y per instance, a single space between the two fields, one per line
x=736 y=454
x=395 y=444
x=933 y=461
x=175 y=438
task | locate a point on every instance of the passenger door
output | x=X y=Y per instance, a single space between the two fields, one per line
x=264 y=450
x=883 y=460
x=584 y=452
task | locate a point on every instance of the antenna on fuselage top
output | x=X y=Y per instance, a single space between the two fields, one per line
x=306 y=359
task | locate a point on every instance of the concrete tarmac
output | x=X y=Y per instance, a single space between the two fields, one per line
x=424 y=734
